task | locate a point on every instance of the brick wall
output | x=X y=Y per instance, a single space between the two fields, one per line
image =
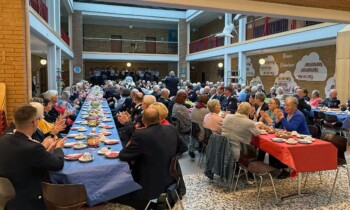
x=106 y=31
x=291 y=58
x=210 y=70
x=208 y=29
x=14 y=71
x=182 y=67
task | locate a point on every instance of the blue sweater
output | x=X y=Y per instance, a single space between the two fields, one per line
x=296 y=123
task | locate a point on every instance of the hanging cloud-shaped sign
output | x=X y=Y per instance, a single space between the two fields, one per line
x=255 y=81
x=311 y=68
x=270 y=68
x=286 y=81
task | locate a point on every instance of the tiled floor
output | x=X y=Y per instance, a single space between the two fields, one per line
x=205 y=194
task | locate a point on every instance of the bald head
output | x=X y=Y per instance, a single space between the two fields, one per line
x=150 y=116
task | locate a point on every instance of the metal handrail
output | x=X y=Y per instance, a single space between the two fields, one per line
x=127 y=40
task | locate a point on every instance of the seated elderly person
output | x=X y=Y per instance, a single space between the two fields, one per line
x=163 y=112
x=292 y=119
x=239 y=128
x=332 y=101
x=269 y=117
x=197 y=115
x=280 y=93
x=315 y=100
x=212 y=120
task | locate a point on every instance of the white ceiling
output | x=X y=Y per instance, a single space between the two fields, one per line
x=39 y=47
x=206 y=17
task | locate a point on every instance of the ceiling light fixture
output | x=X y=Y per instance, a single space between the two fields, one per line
x=128 y=64
x=43 y=61
x=220 y=17
x=220 y=65
x=261 y=61
x=131 y=26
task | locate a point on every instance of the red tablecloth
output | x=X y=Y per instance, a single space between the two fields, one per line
x=317 y=156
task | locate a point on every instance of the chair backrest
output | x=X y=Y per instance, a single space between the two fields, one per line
x=247 y=154
x=314 y=131
x=319 y=115
x=195 y=130
x=64 y=196
x=339 y=142
x=207 y=134
x=7 y=192
x=330 y=118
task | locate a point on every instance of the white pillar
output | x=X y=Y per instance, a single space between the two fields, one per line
x=228 y=20
x=51 y=67
x=70 y=29
x=58 y=69
x=58 y=16
x=70 y=72
x=227 y=68
x=242 y=29
x=188 y=37
x=51 y=7
x=242 y=68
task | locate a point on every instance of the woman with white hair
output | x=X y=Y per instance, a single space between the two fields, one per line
x=212 y=120
x=239 y=128
x=280 y=94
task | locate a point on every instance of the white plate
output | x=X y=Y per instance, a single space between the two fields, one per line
x=77 y=122
x=303 y=141
x=294 y=142
x=72 y=135
x=70 y=144
x=80 y=138
x=84 y=160
x=78 y=147
x=82 y=130
x=111 y=141
x=106 y=120
x=277 y=139
x=84 y=123
x=101 y=153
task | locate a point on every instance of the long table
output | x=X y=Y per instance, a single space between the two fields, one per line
x=343 y=117
x=104 y=179
x=317 y=156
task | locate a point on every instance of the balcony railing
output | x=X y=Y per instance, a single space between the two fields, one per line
x=267 y=26
x=129 y=46
x=206 y=43
x=40 y=7
x=64 y=36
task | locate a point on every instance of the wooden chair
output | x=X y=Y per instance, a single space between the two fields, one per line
x=7 y=192
x=64 y=196
x=340 y=143
x=331 y=123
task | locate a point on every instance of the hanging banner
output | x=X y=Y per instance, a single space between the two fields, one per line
x=329 y=85
x=269 y=68
x=310 y=68
x=286 y=81
x=256 y=81
x=250 y=69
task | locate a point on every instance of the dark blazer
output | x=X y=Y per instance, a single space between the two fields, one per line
x=171 y=84
x=155 y=94
x=164 y=101
x=264 y=107
x=192 y=96
x=151 y=150
x=229 y=104
x=331 y=103
x=26 y=163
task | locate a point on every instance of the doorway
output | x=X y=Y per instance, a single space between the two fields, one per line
x=116 y=43
x=151 y=45
x=203 y=76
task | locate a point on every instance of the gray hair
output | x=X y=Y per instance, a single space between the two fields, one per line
x=149 y=99
x=316 y=93
x=39 y=109
x=212 y=104
x=280 y=90
x=49 y=94
x=260 y=96
x=65 y=95
x=253 y=89
x=293 y=100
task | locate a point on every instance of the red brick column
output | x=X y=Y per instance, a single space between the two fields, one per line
x=15 y=53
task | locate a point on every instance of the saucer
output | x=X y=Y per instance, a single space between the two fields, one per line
x=291 y=142
x=81 y=159
x=80 y=147
x=277 y=139
x=113 y=154
x=70 y=144
x=106 y=120
x=73 y=156
x=79 y=138
x=72 y=135
x=111 y=141
x=303 y=141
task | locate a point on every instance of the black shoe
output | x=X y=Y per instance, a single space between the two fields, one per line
x=210 y=175
x=283 y=175
x=191 y=154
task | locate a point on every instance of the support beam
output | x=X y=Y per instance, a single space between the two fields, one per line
x=242 y=29
x=256 y=8
x=227 y=68
x=51 y=67
x=242 y=68
x=228 y=20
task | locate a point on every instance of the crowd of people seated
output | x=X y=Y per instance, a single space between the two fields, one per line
x=159 y=113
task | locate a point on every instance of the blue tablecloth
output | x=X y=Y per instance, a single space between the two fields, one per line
x=340 y=115
x=104 y=179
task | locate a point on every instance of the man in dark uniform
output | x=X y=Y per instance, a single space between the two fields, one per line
x=230 y=101
x=26 y=162
x=171 y=83
x=191 y=94
x=219 y=95
x=143 y=152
